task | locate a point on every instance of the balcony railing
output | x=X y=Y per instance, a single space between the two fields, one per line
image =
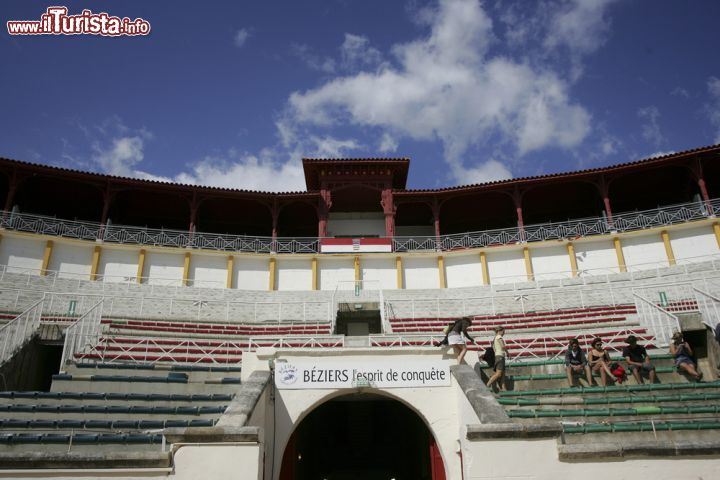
x=571 y=229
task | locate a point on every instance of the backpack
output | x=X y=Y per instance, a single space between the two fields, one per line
x=618 y=372
x=489 y=356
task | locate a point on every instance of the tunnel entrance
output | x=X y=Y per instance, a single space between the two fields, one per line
x=362 y=436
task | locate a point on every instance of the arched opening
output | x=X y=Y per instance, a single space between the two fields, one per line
x=653 y=188
x=561 y=202
x=297 y=220
x=150 y=208
x=477 y=211
x=414 y=219
x=711 y=174
x=362 y=436
x=63 y=198
x=234 y=216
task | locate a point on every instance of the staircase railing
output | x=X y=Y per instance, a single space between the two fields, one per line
x=83 y=336
x=657 y=319
x=19 y=330
x=709 y=306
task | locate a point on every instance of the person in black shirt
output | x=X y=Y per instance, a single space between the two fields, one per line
x=576 y=363
x=638 y=360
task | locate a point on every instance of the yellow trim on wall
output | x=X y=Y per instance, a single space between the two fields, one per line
x=230 y=271
x=314 y=268
x=484 y=267
x=47 y=255
x=441 y=271
x=399 y=272
x=668 y=247
x=272 y=267
x=528 y=264
x=95 y=262
x=141 y=265
x=619 y=254
x=356 y=266
x=716 y=229
x=573 y=259
x=186 y=269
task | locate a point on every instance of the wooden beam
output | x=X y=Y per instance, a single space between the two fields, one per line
x=314 y=267
x=186 y=269
x=668 y=247
x=573 y=259
x=95 y=262
x=619 y=254
x=484 y=267
x=399 y=273
x=272 y=267
x=230 y=271
x=441 y=271
x=47 y=255
x=141 y=266
x=528 y=264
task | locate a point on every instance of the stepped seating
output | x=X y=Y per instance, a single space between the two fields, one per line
x=675 y=408
x=206 y=328
x=566 y=319
x=120 y=409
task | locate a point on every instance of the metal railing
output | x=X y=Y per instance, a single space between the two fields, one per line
x=657 y=319
x=359 y=291
x=709 y=306
x=82 y=337
x=571 y=229
x=14 y=334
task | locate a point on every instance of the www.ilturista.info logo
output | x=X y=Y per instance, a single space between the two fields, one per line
x=56 y=21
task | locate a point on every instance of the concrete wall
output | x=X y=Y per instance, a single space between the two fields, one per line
x=538 y=460
x=164 y=266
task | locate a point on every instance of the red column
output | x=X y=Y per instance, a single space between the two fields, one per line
x=275 y=212
x=436 y=219
x=194 y=204
x=12 y=188
x=389 y=210
x=324 y=204
x=697 y=170
x=107 y=198
x=517 y=199
x=604 y=188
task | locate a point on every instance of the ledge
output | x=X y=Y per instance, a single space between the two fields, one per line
x=212 y=434
x=599 y=451
x=84 y=460
x=482 y=400
x=514 y=430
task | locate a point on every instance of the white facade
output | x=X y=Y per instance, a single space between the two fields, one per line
x=166 y=266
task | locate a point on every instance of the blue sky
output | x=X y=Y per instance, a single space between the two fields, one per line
x=234 y=94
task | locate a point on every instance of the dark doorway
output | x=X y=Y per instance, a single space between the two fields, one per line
x=362 y=436
x=32 y=367
x=358 y=319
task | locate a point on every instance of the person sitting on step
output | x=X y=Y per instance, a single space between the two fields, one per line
x=638 y=360
x=576 y=363
x=683 y=355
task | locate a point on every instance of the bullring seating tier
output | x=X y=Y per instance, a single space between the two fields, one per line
x=100 y=407
x=675 y=408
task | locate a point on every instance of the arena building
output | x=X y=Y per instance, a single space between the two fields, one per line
x=159 y=330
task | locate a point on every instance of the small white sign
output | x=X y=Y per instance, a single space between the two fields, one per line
x=307 y=374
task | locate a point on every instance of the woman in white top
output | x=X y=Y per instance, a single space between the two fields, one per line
x=500 y=354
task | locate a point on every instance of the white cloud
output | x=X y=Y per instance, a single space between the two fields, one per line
x=579 y=25
x=241 y=36
x=713 y=108
x=651 y=129
x=120 y=156
x=356 y=51
x=680 y=92
x=330 y=147
x=447 y=86
x=387 y=143
x=311 y=59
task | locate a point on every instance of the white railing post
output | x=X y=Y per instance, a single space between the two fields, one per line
x=83 y=336
x=14 y=334
x=661 y=322
x=709 y=306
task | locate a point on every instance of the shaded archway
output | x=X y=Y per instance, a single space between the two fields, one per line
x=652 y=188
x=474 y=212
x=711 y=174
x=414 y=219
x=560 y=202
x=298 y=219
x=362 y=436
x=150 y=208
x=60 y=197
x=234 y=216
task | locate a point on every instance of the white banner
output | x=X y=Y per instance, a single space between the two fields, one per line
x=307 y=374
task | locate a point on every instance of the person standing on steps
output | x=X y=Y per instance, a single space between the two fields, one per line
x=500 y=356
x=457 y=335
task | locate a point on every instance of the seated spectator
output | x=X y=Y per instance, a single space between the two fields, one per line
x=599 y=361
x=576 y=363
x=683 y=355
x=638 y=360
